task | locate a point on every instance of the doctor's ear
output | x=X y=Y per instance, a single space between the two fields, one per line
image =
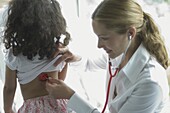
x=131 y=33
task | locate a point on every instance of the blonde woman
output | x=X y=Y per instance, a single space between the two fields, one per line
x=136 y=61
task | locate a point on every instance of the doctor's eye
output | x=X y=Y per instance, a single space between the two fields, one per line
x=104 y=38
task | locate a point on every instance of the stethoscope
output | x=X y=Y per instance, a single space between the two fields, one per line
x=113 y=75
x=109 y=84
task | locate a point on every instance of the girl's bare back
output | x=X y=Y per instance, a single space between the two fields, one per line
x=36 y=87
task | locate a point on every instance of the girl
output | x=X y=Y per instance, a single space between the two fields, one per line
x=31 y=37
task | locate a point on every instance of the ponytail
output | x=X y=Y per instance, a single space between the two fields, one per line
x=153 y=41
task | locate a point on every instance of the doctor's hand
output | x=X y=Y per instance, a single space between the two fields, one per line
x=58 y=89
x=67 y=55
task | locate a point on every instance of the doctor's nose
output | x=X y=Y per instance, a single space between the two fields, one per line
x=100 y=44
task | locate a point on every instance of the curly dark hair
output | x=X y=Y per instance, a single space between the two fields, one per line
x=34 y=27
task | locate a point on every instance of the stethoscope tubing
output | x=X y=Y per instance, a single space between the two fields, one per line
x=115 y=73
x=108 y=88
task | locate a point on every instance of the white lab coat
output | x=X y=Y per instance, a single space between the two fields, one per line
x=141 y=86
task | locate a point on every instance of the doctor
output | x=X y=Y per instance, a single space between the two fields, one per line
x=135 y=64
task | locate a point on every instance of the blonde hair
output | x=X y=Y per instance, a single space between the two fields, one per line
x=120 y=15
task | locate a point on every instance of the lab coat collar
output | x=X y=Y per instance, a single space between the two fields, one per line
x=116 y=61
x=136 y=63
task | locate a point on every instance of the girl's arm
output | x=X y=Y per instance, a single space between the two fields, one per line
x=62 y=74
x=9 y=89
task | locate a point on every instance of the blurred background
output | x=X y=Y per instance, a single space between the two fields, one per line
x=90 y=85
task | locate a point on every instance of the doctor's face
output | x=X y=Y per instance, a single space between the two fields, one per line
x=113 y=43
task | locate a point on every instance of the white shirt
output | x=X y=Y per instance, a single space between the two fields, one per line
x=28 y=70
x=141 y=86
